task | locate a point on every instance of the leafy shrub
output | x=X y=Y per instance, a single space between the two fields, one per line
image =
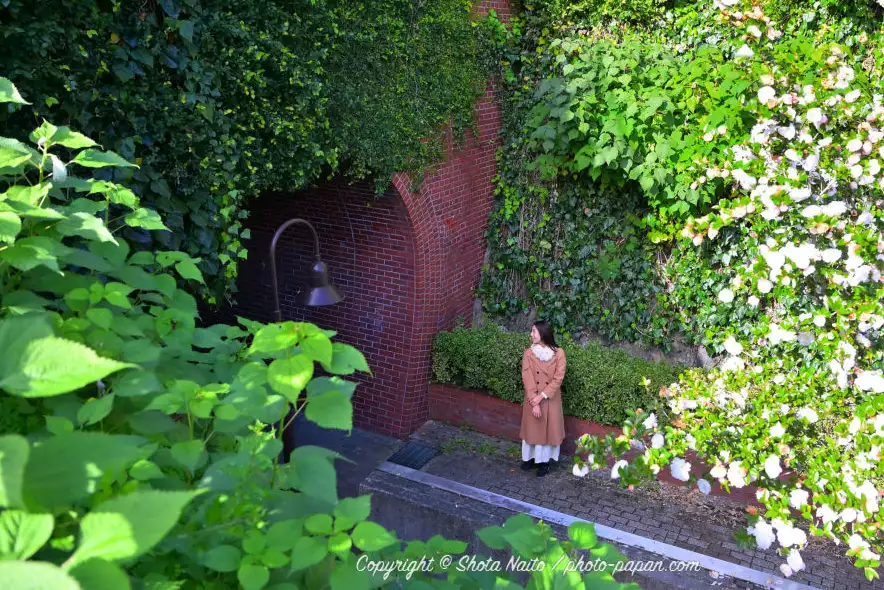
x=153 y=461
x=220 y=100
x=601 y=384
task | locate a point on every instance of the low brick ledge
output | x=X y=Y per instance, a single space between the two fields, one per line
x=496 y=417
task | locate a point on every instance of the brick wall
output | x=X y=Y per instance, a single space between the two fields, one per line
x=407 y=262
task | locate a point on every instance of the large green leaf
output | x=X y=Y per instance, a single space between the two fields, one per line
x=370 y=536
x=64 y=469
x=253 y=577
x=318 y=347
x=98 y=159
x=289 y=376
x=13 y=153
x=354 y=509
x=22 y=534
x=349 y=577
x=9 y=93
x=10 y=225
x=191 y=454
x=274 y=337
x=35 y=575
x=29 y=253
x=95 y=410
x=313 y=472
x=146 y=219
x=346 y=360
x=52 y=366
x=583 y=534
x=87 y=226
x=331 y=409
x=71 y=139
x=223 y=558
x=99 y=574
x=129 y=526
x=14 y=451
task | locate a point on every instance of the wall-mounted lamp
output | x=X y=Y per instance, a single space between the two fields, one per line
x=319 y=290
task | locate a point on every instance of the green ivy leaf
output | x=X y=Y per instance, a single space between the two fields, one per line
x=290 y=375
x=95 y=410
x=31 y=575
x=99 y=574
x=128 y=526
x=223 y=558
x=98 y=159
x=10 y=225
x=9 y=93
x=22 y=534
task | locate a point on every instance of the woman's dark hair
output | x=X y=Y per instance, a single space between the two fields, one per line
x=546 y=334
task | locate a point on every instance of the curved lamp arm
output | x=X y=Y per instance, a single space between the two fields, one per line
x=277 y=312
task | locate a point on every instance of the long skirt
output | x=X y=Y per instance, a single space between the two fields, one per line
x=540 y=453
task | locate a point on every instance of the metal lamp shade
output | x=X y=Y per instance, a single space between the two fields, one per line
x=320 y=291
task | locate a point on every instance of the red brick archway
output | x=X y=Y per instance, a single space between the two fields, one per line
x=408 y=262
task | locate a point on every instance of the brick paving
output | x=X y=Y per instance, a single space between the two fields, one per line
x=670 y=514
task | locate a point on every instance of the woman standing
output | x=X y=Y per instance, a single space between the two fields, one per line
x=543 y=423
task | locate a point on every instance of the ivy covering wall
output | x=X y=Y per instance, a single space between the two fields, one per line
x=612 y=111
x=219 y=100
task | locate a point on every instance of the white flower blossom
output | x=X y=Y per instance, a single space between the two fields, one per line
x=744 y=51
x=794 y=560
x=777 y=334
x=657 y=441
x=772 y=467
x=766 y=94
x=777 y=430
x=736 y=474
x=815 y=116
x=680 y=469
x=580 y=471
x=809 y=414
x=615 y=470
x=825 y=512
x=719 y=471
x=870 y=381
x=763 y=533
x=798 y=498
x=725 y=295
x=704 y=486
x=732 y=346
x=650 y=422
x=764 y=285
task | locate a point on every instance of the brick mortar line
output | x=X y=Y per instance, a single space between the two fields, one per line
x=602 y=531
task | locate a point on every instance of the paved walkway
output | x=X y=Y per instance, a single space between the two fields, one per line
x=670 y=514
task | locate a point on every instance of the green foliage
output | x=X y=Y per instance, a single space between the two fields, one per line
x=601 y=384
x=154 y=459
x=218 y=101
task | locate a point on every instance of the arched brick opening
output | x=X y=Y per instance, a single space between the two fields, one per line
x=408 y=262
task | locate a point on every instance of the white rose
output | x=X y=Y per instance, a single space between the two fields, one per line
x=798 y=498
x=680 y=469
x=814 y=115
x=772 y=467
x=732 y=346
x=650 y=422
x=657 y=441
x=764 y=285
x=744 y=51
x=794 y=560
x=766 y=94
x=870 y=381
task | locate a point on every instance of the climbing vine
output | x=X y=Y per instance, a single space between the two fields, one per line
x=218 y=101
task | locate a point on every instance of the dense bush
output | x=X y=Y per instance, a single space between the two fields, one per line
x=140 y=449
x=219 y=100
x=601 y=384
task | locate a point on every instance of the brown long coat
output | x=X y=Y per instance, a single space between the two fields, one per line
x=543 y=376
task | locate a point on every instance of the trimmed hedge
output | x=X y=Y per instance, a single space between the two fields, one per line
x=601 y=384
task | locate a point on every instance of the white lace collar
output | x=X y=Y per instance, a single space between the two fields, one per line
x=542 y=352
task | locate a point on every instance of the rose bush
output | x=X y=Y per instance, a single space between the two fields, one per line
x=796 y=407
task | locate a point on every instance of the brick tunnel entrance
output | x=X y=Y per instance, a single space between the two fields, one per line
x=407 y=262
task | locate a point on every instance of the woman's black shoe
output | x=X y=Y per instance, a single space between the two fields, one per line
x=527 y=465
x=542 y=469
